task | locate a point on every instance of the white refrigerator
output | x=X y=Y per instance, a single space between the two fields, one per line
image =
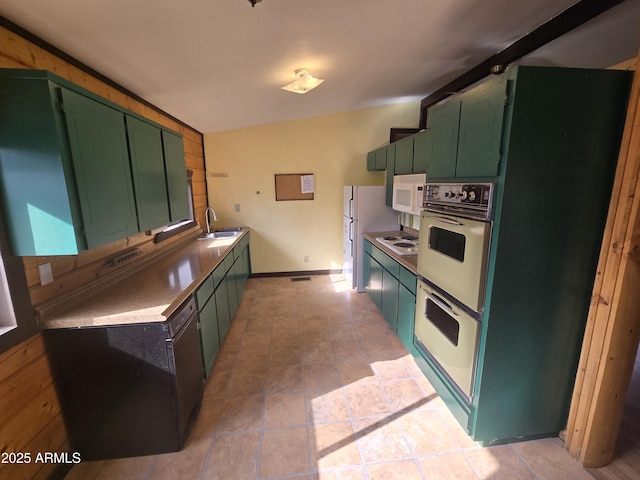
x=364 y=210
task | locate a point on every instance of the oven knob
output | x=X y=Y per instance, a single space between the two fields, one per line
x=472 y=196
x=464 y=195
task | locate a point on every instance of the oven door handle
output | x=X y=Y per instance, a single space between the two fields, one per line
x=449 y=221
x=439 y=301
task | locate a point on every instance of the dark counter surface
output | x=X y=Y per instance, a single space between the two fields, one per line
x=152 y=293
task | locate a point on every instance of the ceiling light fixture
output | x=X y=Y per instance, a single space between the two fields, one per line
x=253 y=2
x=303 y=83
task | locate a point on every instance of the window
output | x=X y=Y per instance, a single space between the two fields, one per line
x=17 y=318
x=183 y=225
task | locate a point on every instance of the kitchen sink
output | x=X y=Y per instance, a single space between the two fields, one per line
x=228 y=232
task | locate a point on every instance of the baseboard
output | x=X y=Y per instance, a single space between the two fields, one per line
x=304 y=273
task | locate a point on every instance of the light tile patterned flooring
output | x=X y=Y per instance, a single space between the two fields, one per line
x=311 y=383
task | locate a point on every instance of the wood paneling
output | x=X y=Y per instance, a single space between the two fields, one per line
x=30 y=420
x=30 y=417
x=613 y=324
x=626 y=462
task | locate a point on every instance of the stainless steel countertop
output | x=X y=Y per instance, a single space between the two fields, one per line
x=408 y=261
x=152 y=293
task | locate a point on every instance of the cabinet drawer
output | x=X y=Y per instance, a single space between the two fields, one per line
x=408 y=279
x=228 y=262
x=367 y=247
x=386 y=261
x=218 y=274
x=204 y=291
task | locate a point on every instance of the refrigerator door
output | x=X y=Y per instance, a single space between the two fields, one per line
x=348 y=250
x=370 y=215
x=347 y=201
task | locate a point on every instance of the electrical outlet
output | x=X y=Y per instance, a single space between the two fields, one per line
x=46 y=275
x=236 y=207
x=306 y=259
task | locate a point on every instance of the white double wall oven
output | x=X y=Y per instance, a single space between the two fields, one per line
x=455 y=232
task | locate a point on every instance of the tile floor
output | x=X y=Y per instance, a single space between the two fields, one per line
x=311 y=383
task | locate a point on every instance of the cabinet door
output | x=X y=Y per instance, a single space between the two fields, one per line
x=391 y=166
x=147 y=165
x=390 y=299
x=366 y=271
x=209 y=336
x=179 y=204
x=381 y=158
x=234 y=280
x=375 y=283
x=421 y=150
x=404 y=156
x=444 y=122
x=100 y=157
x=480 y=141
x=371 y=161
x=406 y=316
x=222 y=308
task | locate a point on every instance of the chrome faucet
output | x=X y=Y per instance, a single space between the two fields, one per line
x=206 y=216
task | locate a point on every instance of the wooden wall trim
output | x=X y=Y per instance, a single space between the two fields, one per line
x=613 y=324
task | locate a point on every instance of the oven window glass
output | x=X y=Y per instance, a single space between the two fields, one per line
x=443 y=321
x=447 y=242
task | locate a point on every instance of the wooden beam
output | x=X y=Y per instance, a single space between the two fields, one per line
x=566 y=21
x=613 y=325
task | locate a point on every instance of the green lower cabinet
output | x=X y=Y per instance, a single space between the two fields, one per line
x=217 y=298
x=393 y=290
x=222 y=308
x=232 y=291
x=406 y=316
x=389 y=297
x=375 y=283
x=209 y=336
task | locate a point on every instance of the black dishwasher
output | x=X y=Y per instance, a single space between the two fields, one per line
x=128 y=390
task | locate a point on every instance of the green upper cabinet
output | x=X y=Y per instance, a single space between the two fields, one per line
x=391 y=168
x=377 y=160
x=179 y=205
x=404 y=156
x=147 y=165
x=100 y=158
x=421 y=150
x=480 y=136
x=66 y=167
x=444 y=123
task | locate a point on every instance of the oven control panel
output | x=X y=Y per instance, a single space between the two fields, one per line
x=475 y=199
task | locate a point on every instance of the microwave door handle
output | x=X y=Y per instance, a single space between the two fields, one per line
x=439 y=301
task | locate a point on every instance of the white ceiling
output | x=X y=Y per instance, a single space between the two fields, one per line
x=219 y=64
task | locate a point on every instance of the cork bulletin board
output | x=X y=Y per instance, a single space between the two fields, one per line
x=294 y=186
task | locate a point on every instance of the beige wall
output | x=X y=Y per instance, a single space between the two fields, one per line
x=242 y=162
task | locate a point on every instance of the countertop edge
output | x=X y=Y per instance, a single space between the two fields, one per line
x=48 y=321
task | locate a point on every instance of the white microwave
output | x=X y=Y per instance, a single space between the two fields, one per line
x=408 y=193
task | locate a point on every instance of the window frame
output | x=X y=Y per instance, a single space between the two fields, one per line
x=183 y=225
x=16 y=296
